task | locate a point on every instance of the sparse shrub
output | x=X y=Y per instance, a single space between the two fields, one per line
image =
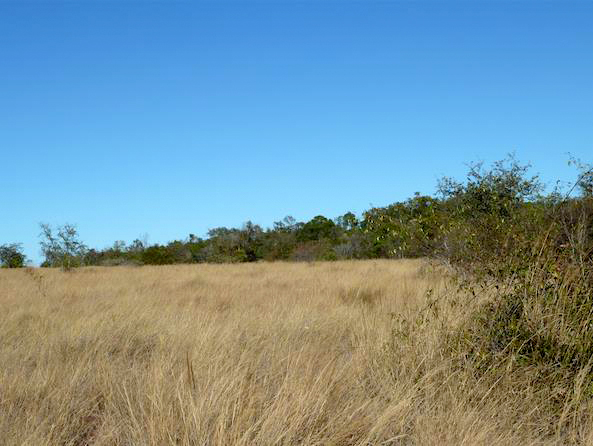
x=62 y=248
x=305 y=252
x=312 y=251
x=353 y=246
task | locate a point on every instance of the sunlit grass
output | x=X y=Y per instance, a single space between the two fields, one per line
x=338 y=353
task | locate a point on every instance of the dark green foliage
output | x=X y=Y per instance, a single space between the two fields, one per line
x=157 y=255
x=11 y=256
x=235 y=245
x=318 y=228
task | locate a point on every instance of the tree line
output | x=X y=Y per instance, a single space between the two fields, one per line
x=485 y=215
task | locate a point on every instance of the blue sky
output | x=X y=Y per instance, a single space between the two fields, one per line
x=169 y=118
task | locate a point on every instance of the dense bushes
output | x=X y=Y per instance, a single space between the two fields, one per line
x=497 y=213
x=546 y=315
x=536 y=330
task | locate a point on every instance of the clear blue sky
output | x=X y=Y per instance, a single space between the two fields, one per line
x=169 y=118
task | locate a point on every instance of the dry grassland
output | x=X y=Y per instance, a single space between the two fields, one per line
x=341 y=353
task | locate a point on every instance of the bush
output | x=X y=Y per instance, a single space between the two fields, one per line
x=157 y=255
x=11 y=256
x=495 y=215
x=540 y=321
x=409 y=229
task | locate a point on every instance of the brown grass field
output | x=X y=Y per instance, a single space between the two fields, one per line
x=337 y=353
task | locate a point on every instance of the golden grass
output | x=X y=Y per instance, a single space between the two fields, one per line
x=341 y=353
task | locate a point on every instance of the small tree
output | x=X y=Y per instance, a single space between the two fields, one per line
x=11 y=256
x=62 y=248
x=348 y=222
x=318 y=228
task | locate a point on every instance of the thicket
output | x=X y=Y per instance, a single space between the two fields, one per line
x=495 y=213
x=536 y=253
x=539 y=252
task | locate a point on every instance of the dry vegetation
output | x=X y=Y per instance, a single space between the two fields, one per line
x=342 y=353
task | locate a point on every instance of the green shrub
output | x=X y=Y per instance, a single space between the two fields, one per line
x=11 y=256
x=157 y=255
x=540 y=321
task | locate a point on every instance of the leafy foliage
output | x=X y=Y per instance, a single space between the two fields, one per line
x=11 y=256
x=540 y=320
x=408 y=229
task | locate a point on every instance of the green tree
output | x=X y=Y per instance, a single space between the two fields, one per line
x=279 y=242
x=11 y=256
x=251 y=241
x=157 y=255
x=348 y=222
x=317 y=228
x=62 y=247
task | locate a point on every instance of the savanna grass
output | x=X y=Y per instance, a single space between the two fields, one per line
x=338 y=353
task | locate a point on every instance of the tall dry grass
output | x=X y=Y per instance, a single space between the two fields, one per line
x=343 y=353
